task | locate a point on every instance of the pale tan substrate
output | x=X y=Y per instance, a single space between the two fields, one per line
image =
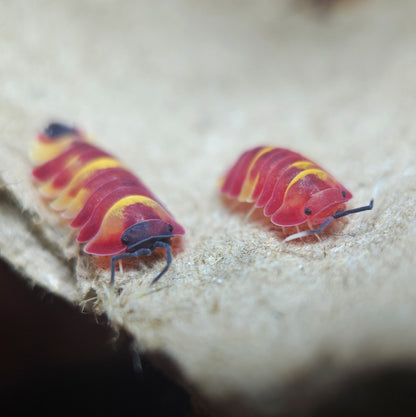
x=177 y=90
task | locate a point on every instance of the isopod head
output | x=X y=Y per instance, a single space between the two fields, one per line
x=142 y=239
x=146 y=233
x=325 y=203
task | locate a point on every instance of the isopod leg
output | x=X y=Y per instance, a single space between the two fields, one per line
x=114 y=259
x=315 y=234
x=309 y=232
x=250 y=212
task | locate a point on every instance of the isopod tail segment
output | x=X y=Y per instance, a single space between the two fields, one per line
x=329 y=220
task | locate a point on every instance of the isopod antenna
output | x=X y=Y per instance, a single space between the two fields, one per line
x=329 y=220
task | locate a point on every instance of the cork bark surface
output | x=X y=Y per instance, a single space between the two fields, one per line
x=177 y=90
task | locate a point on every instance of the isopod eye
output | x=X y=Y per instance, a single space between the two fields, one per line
x=170 y=228
x=308 y=211
x=344 y=194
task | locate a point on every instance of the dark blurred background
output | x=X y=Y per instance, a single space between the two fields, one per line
x=57 y=360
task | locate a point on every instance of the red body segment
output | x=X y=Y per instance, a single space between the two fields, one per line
x=91 y=226
x=102 y=197
x=291 y=189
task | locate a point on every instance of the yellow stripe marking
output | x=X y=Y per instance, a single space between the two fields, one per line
x=322 y=175
x=50 y=190
x=75 y=205
x=253 y=187
x=118 y=208
x=43 y=152
x=81 y=175
x=248 y=184
x=95 y=165
x=302 y=165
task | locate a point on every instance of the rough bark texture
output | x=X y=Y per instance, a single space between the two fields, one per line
x=178 y=90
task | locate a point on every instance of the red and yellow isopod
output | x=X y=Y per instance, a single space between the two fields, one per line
x=291 y=189
x=115 y=212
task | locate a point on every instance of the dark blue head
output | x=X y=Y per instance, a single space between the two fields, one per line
x=146 y=233
x=142 y=239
